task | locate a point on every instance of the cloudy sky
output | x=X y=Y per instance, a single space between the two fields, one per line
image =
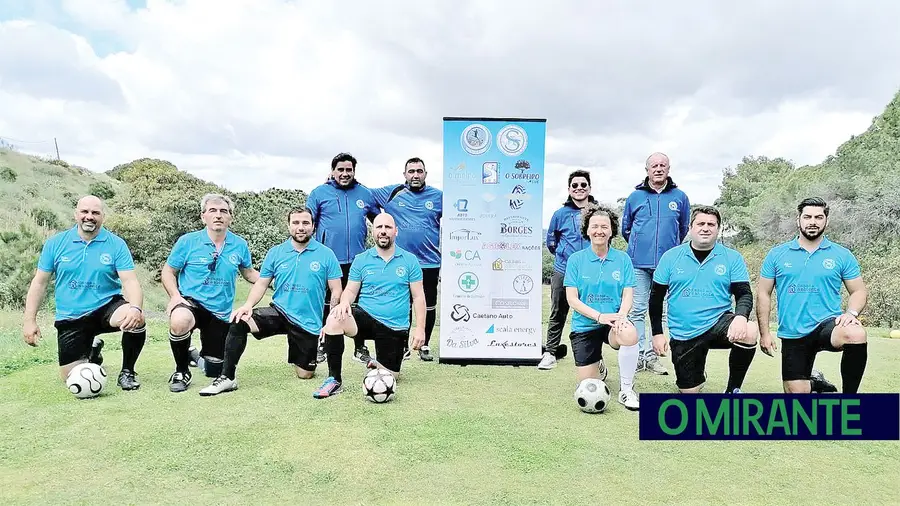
x=259 y=93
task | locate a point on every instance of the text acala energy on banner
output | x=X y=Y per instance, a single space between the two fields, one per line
x=491 y=239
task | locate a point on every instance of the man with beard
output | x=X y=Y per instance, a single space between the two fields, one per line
x=301 y=268
x=655 y=219
x=385 y=277
x=340 y=209
x=200 y=277
x=417 y=208
x=564 y=237
x=96 y=292
x=808 y=273
x=700 y=278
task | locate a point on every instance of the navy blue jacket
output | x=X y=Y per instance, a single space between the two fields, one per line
x=340 y=215
x=654 y=222
x=418 y=217
x=564 y=234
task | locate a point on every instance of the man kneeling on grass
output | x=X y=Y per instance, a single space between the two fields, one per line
x=301 y=268
x=385 y=277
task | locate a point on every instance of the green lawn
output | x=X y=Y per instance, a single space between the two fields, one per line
x=472 y=435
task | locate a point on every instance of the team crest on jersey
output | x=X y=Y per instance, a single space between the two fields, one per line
x=617 y=275
x=105 y=259
x=828 y=263
x=401 y=272
x=360 y=204
x=429 y=205
x=720 y=269
x=673 y=206
x=314 y=266
x=233 y=258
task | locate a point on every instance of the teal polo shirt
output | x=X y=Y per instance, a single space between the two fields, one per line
x=808 y=285
x=87 y=273
x=384 y=286
x=300 y=279
x=698 y=293
x=600 y=282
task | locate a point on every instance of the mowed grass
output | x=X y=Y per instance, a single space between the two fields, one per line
x=453 y=435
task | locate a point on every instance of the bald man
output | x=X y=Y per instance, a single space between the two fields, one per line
x=385 y=277
x=97 y=292
x=656 y=218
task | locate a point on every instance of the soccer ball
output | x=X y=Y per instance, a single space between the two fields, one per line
x=592 y=395
x=86 y=380
x=379 y=386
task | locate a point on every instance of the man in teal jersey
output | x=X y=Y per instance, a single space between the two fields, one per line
x=97 y=292
x=700 y=278
x=301 y=269
x=418 y=209
x=385 y=277
x=200 y=277
x=600 y=288
x=808 y=273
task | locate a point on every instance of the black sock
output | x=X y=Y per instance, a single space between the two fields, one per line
x=235 y=343
x=181 y=351
x=430 y=318
x=853 y=365
x=738 y=364
x=132 y=344
x=334 y=350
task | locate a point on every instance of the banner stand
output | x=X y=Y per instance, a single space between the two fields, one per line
x=492 y=241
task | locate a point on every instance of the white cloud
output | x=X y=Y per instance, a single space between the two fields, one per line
x=261 y=93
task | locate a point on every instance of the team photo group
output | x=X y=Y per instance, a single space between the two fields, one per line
x=327 y=285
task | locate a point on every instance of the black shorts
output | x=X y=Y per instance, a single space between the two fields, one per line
x=798 y=355
x=345 y=276
x=301 y=344
x=75 y=337
x=389 y=343
x=430 y=279
x=212 y=330
x=689 y=357
x=587 y=347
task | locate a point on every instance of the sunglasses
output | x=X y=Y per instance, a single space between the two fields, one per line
x=579 y=185
x=212 y=265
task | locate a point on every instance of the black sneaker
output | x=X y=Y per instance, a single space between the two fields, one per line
x=96 y=357
x=320 y=353
x=195 y=356
x=425 y=354
x=406 y=353
x=361 y=355
x=128 y=380
x=818 y=383
x=179 y=381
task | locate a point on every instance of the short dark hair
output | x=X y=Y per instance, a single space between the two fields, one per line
x=599 y=210
x=301 y=210
x=414 y=159
x=579 y=173
x=814 y=202
x=706 y=210
x=343 y=157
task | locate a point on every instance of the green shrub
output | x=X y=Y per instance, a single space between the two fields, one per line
x=46 y=218
x=8 y=174
x=102 y=189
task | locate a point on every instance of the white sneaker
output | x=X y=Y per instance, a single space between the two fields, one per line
x=604 y=372
x=629 y=399
x=219 y=385
x=548 y=361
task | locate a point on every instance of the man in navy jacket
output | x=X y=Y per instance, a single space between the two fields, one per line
x=564 y=238
x=656 y=218
x=340 y=209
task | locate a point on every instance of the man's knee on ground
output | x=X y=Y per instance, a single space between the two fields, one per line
x=797 y=387
x=303 y=373
x=181 y=321
x=692 y=390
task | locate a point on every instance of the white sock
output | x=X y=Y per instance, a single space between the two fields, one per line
x=628 y=359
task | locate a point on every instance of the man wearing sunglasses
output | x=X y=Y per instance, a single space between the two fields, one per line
x=340 y=209
x=564 y=237
x=200 y=277
x=656 y=218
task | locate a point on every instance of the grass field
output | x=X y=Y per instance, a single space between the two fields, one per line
x=473 y=435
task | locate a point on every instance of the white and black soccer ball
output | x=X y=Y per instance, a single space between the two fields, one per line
x=379 y=386
x=592 y=395
x=86 y=380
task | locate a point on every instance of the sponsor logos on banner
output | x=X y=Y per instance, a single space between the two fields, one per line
x=491 y=239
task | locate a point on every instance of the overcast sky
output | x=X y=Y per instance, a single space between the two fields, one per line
x=259 y=93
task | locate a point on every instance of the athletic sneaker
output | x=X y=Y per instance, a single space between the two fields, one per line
x=320 y=353
x=819 y=384
x=406 y=353
x=629 y=399
x=219 y=385
x=736 y=391
x=651 y=363
x=128 y=380
x=96 y=357
x=425 y=354
x=179 y=381
x=362 y=355
x=195 y=356
x=604 y=372
x=548 y=361
x=329 y=388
